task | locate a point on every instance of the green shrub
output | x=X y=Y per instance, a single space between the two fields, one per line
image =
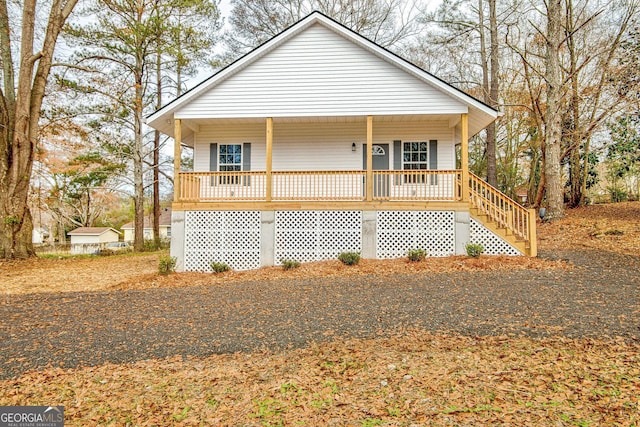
x=150 y=245
x=416 y=255
x=219 y=267
x=349 y=258
x=474 y=249
x=288 y=264
x=167 y=264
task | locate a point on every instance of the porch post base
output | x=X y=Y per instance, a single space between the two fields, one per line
x=267 y=238
x=369 y=224
x=462 y=231
x=177 y=238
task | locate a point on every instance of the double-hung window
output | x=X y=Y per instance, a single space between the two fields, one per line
x=415 y=157
x=230 y=160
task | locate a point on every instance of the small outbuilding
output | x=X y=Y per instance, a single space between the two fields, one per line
x=164 y=226
x=85 y=240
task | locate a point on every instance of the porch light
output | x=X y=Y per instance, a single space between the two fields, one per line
x=353 y=146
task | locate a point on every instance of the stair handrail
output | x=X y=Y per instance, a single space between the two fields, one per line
x=503 y=210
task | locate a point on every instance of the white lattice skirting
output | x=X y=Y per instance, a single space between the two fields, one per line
x=399 y=231
x=493 y=245
x=249 y=239
x=232 y=237
x=316 y=235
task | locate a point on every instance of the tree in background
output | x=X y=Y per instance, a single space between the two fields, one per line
x=26 y=58
x=190 y=28
x=387 y=22
x=126 y=44
x=623 y=156
x=472 y=30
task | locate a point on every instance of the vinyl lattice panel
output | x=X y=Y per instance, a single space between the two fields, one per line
x=307 y=236
x=232 y=237
x=399 y=231
x=493 y=245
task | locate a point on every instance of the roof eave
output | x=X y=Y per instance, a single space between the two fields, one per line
x=166 y=113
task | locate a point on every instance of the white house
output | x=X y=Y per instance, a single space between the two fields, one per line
x=164 y=226
x=38 y=235
x=320 y=141
x=91 y=239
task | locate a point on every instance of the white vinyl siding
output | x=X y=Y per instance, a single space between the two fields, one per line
x=320 y=73
x=321 y=146
x=230 y=134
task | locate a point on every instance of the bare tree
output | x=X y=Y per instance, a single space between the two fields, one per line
x=386 y=22
x=554 y=38
x=24 y=81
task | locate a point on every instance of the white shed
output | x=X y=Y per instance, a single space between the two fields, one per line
x=91 y=239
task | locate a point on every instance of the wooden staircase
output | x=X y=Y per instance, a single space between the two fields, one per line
x=503 y=216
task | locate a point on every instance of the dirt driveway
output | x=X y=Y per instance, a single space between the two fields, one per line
x=599 y=297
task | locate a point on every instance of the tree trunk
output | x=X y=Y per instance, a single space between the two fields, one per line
x=20 y=106
x=492 y=169
x=156 y=158
x=16 y=227
x=575 y=170
x=553 y=121
x=490 y=82
x=138 y=177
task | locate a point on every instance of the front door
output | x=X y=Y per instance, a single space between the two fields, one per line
x=380 y=163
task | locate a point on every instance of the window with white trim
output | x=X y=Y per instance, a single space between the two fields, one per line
x=230 y=157
x=230 y=160
x=415 y=156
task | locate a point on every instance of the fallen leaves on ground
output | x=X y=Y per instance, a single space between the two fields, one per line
x=335 y=268
x=611 y=227
x=73 y=274
x=140 y=271
x=414 y=378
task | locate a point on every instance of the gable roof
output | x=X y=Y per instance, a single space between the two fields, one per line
x=91 y=231
x=162 y=119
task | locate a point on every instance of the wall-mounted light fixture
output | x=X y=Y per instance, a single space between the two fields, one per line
x=353 y=146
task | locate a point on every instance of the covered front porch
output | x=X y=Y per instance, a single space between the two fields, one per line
x=396 y=183
x=426 y=174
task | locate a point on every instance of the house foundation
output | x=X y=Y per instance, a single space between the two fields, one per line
x=252 y=239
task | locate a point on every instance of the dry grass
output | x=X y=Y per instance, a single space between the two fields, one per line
x=612 y=227
x=140 y=271
x=414 y=378
x=73 y=274
x=408 y=380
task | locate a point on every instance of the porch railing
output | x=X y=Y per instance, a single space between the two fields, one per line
x=400 y=185
x=431 y=185
x=318 y=185
x=504 y=211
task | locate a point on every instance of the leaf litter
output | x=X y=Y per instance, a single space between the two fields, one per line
x=413 y=378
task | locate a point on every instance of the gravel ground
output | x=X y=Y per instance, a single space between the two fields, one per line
x=598 y=298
